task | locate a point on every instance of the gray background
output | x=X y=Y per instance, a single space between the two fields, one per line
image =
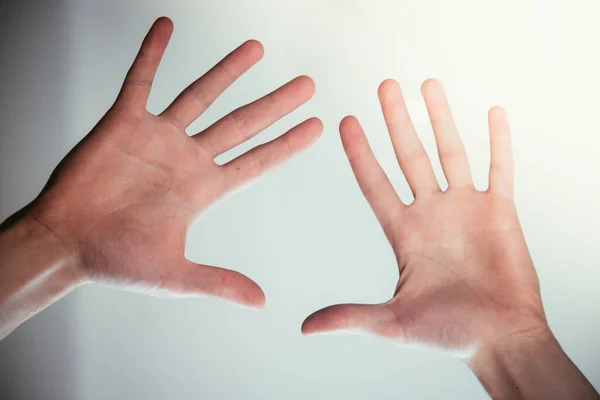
x=304 y=232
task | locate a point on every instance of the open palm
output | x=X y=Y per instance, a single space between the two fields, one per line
x=123 y=199
x=466 y=277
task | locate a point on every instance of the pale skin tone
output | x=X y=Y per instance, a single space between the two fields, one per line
x=117 y=209
x=467 y=283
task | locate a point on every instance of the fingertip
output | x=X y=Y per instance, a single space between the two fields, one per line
x=316 y=124
x=307 y=84
x=327 y=319
x=496 y=113
x=259 y=301
x=255 y=48
x=164 y=20
x=498 y=121
x=308 y=327
x=304 y=134
x=164 y=24
x=350 y=134
x=254 y=297
x=240 y=289
x=348 y=122
x=387 y=87
x=430 y=85
x=304 y=330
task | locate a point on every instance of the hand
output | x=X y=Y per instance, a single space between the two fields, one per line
x=121 y=202
x=466 y=276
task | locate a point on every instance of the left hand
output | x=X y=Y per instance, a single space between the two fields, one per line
x=121 y=202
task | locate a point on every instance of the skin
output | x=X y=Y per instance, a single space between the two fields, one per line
x=117 y=208
x=467 y=283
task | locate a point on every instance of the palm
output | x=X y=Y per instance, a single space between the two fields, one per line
x=445 y=246
x=142 y=214
x=135 y=184
x=464 y=265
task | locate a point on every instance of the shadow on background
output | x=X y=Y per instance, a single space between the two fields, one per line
x=37 y=360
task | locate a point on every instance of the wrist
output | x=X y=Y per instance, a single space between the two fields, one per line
x=503 y=349
x=500 y=364
x=36 y=268
x=529 y=364
x=25 y=230
x=29 y=248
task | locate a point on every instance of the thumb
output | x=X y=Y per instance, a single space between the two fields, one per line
x=189 y=278
x=374 y=318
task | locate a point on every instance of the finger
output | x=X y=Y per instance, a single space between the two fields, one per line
x=266 y=156
x=247 y=121
x=450 y=147
x=371 y=178
x=198 y=96
x=138 y=82
x=375 y=319
x=411 y=155
x=501 y=166
x=194 y=279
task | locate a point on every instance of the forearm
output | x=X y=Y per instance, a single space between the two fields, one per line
x=36 y=269
x=532 y=366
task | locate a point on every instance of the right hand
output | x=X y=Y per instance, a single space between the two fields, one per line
x=466 y=277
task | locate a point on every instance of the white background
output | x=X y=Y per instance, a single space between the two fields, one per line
x=304 y=232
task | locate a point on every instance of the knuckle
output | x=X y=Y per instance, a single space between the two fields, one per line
x=414 y=156
x=449 y=154
x=239 y=121
x=371 y=187
x=256 y=164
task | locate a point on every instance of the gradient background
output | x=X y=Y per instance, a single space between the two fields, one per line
x=304 y=232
